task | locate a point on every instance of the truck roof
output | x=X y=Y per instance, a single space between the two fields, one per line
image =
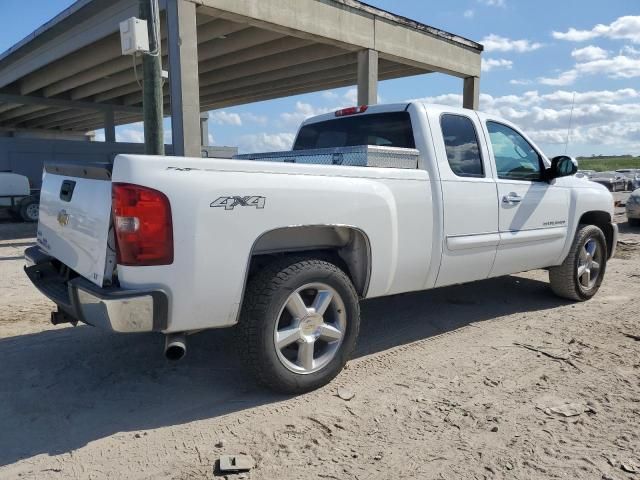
x=380 y=108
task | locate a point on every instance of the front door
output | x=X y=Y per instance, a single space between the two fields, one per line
x=533 y=213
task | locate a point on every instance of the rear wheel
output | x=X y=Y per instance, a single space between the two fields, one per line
x=30 y=210
x=581 y=274
x=634 y=222
x=299 y=324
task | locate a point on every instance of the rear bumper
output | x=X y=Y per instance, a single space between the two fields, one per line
x=115 y=309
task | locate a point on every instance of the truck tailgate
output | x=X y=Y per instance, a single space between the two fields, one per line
x=75 y=217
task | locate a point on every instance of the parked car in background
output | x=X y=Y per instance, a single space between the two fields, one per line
x=17 y=197
x=614 y=181
x=585 y=173
x=633 y=208
x=633 y=177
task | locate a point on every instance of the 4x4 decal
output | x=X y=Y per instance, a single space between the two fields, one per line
x=229 y=203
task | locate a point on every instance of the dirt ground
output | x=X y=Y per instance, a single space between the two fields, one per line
x=472 y=381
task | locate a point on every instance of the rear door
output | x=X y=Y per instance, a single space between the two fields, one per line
x=469 y=196
x=75 y=217
x=533 y=213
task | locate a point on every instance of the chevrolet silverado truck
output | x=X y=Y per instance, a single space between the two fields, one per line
x=372 y=201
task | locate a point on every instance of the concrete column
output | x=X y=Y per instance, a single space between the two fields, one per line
x=204 y=128
x=471 y=93
x=109 y=127
x=367 y=77
x=183 y=77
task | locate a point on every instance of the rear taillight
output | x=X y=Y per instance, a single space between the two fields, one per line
x=143 y=226
x=345 y=112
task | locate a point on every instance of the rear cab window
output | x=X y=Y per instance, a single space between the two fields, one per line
x=462 y=146
x=391 y=129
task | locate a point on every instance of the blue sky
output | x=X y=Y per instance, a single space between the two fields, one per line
x=538 y=54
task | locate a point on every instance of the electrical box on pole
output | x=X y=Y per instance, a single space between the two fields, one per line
x=140 y=37
x=134 y=36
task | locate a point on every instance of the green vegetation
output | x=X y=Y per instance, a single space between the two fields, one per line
x=604 y=163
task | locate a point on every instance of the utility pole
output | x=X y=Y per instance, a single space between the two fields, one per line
x=152 y=95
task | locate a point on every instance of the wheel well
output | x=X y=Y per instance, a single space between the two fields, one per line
x=603 y=221
x=346 y=247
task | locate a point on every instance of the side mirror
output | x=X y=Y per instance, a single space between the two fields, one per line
x=562 y=166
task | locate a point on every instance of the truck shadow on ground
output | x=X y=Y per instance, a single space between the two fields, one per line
x=64 y=388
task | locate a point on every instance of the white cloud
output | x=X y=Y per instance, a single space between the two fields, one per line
x=590 y=53
x=301 y=113
x=624 y=28
x=494 y=3
x=266 y=142
x=600 y=117
x=351 y=96
x=253 y=118
x=469 y=13
x=489 y=64
x=222 y=117
x=562 y=80
x=520 y=82
x=133 y=133
x=496 y=43
x=330 y=95
x=620 y=66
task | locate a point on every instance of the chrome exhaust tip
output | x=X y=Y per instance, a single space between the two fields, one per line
x=175 y=347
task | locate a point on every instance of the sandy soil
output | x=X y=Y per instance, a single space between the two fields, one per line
x=463 y=382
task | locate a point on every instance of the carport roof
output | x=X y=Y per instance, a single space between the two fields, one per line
x=69 y=72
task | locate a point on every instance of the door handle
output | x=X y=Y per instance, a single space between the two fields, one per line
x=512 y=199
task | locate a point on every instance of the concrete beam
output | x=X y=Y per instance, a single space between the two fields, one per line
x=250 y=73
x=358 y=28
x=90 y=22
x=183 y=75
x=255 y=50
x=36 y=114
x=471 y=93
x=21 y=111
x=413 y=47
x=310 y=19
x=8 y=106
x=52 y=120
x=259 y=96
x=98 y=53
x=59 y=102
x=239 y=41
x=294 y=84
x=367 y=77
x=207 y=29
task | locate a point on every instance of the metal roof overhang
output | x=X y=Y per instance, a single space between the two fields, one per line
x=70 y=72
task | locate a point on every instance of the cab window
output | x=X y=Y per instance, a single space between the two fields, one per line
x=392 y=129
x=461 y=144
x=515 y=158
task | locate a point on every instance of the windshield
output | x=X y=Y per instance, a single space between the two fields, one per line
x=392 y=129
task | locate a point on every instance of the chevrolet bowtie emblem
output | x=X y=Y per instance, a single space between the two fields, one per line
x=63 y=218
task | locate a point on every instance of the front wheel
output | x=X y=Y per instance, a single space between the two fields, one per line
x=299 y=324
x=581 y=274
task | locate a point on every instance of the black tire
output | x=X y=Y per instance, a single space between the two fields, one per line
x=264 y=309
x=29 y=210
x=564 y=278
x=634 y=222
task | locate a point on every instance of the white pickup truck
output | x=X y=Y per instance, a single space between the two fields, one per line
x=372 y=201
